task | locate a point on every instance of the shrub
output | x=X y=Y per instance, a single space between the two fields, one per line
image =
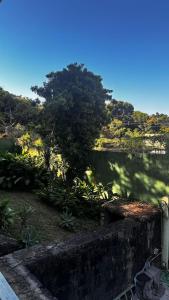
x=59 y=195
x=89 y=190
x=24 y=215
x=19 y=172
x=82 y=199
x=67 y=221
x=9 y=145
x=6 y=214
x=29 y=236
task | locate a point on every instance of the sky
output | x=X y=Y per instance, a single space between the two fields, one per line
x=124 y=41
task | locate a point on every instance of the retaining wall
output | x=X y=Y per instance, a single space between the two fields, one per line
x=99 y=265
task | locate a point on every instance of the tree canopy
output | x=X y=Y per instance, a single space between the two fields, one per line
x=16 y=109
x=120 y=110
x=75 y=109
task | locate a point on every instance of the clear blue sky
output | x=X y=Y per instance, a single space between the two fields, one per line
x=125 y=41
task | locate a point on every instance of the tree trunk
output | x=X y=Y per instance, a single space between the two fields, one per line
x=47 y=156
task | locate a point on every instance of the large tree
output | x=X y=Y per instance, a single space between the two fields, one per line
x=120 y=110
x=140 y=120
x=75 y=110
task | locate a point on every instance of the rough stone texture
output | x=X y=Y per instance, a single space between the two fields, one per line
x=98 y=266
x=8 y=245
x=117 y=210
x=25 y=285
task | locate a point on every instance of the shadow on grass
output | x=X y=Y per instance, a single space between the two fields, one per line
x=144 y=177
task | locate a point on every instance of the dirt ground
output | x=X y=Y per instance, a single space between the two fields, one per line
x=44 y=219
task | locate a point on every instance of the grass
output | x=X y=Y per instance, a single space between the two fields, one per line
x=143 y=176
x=44 y=218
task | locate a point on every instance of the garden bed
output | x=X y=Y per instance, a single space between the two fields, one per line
x=44 y=219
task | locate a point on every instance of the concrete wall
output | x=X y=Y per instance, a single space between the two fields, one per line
x=99 y=265
x=8 y=245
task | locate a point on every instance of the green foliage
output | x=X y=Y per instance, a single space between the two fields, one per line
x=89 y=191
x=74 y=112
x=127 y=127
x=24 y=215
x=14 y=110
x=55 y=194
x=120 y=110
x=29 y=236
x=9 y=145
x=134 y=144
x=143 y=177
x=67 y=221
x=6 y=214
x=19 y=172
x=58 y=194
x=83 y=198
x=59 y=166
x=140 y=120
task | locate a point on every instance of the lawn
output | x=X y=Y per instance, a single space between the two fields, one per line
x=44 y=218
x=143 y=176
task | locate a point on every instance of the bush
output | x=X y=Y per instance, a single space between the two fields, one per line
x=29 y=236
x=67 y=221
x=19 y=172
x=59 y=195
x=9 y=145
x=24 y=215
x=82 y=199
x=6 y=214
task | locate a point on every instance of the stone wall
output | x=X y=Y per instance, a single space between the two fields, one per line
x=99 y=265
x=8 y=245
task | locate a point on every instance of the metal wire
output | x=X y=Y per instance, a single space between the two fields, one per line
x=128 y=294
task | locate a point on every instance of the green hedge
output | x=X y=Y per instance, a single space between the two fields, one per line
x=19 y=172
x=8 y=145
